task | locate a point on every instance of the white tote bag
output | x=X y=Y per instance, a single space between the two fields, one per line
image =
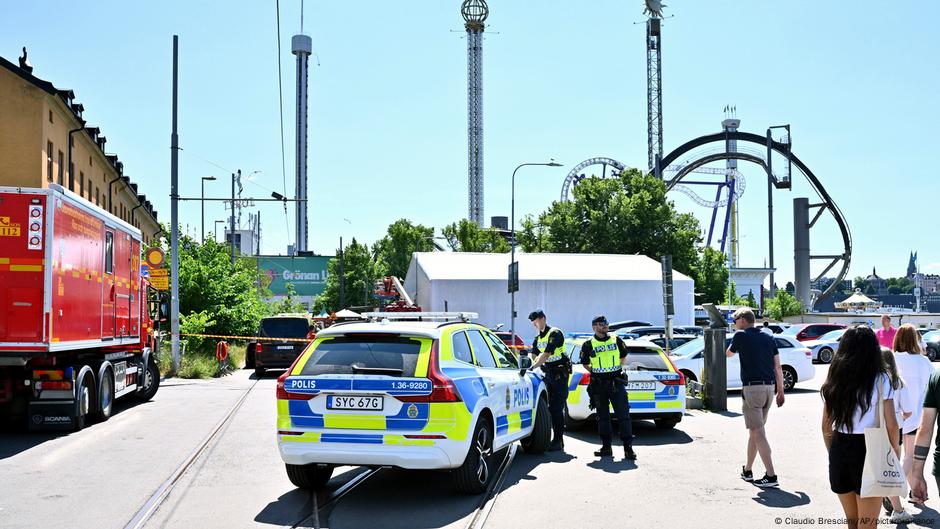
x=882 y=475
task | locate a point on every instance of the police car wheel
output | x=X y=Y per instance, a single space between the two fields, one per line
x=573 y=424
x=666 y=424
x=309 y=476
x=537 y=442
x=473 y=476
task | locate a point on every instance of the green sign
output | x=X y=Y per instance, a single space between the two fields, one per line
x=307 y=274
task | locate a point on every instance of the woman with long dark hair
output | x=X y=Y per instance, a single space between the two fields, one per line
x=850 y=403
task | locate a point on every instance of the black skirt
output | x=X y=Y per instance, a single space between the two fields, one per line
x=846 y=461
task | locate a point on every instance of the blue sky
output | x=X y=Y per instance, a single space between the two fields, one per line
x=857 y=82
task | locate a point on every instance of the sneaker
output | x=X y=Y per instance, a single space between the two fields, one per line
x=605 y=451
x=556 y=446
x=901 y=516
x=767 y=482
x=628 y=453
x=747 y=475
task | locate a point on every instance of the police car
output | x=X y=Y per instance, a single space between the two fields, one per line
x=655 y=388
x=408 y=394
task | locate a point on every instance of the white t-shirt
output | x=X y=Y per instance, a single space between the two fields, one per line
x=915 y=369
x=867 y=420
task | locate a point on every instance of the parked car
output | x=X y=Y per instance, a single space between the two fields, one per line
x=804 y=332
x=678 y=340
x=778 y=328
x=617 y=325
x=694 y=330
x=289 y=335
x=924 y=330
x=932 y=339
x=825 y=346
x=645 y=330
x=795 y=359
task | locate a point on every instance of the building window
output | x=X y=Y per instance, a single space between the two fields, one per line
x=49 y=160
x=81 y=184
x=97 y=198
x=72 y=176
x=50 y=116
x=61 y=167
x=90 y=163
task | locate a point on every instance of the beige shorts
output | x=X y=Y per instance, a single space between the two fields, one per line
x=755 y=404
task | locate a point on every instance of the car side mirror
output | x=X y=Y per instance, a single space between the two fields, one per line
x=525 y=363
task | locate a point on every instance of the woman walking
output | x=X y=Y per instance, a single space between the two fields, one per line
x=915 y=369
x=850 y=395
x=903 y=409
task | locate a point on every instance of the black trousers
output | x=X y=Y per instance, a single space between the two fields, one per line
x=609 y=393
x=556 y=382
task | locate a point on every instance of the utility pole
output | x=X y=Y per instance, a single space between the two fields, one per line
x=232 y=223
x=342 y=276
x=174 y=222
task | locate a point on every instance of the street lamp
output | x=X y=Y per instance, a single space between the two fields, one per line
x=202 y=203
x=215 y=229
x=512 y=266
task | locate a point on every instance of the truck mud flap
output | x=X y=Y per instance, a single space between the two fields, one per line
x=44 y=416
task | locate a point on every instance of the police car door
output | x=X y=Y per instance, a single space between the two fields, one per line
x=504 y=392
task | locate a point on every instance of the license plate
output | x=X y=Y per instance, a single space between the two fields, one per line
x=354 y=402
x=285 y=348
x=641 y=386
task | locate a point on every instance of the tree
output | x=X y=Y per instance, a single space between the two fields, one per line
x=782 y=305
x=625 y=215
x=750 y=300
x=790 y=288
x=217 y=296
x=711 y=277
x=393 y=252
x=288 y=304
x=360 y=272
x=467 y=236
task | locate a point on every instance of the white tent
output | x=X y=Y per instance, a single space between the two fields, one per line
x=570 y=288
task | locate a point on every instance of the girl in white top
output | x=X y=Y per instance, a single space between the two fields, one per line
x=903 y=408
x=915 y=369
x=850 y=404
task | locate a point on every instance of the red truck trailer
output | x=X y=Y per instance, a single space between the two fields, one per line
x=75 y=325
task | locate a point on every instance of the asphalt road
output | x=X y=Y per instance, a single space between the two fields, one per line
x=101 y=476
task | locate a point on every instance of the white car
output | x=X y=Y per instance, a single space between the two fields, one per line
x=414 y=395
x=795 y=359
x=655 y=389
x=824 y=347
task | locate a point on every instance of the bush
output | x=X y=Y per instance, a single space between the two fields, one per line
x=194 y=365
x=197 y=323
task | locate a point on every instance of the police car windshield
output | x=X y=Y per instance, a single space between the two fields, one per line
x=376 y=355
x=639 y=359
x=285 y=327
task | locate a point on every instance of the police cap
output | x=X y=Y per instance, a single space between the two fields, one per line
x=536 y=314
x=599 y=319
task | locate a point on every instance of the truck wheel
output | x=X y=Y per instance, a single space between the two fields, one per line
x=105 y=397
x=84 y=401
x=149 y=381
x=309 y=477
x=474 y=475
x=537 y=442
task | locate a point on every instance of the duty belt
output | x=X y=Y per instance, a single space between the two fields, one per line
x=605 y=369
x=554 y=358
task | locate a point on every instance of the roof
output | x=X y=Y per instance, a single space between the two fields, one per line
x=540 y=267
x=431 y=329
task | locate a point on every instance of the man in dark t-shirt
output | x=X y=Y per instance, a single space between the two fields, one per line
x=761 y=374
x=928 y=420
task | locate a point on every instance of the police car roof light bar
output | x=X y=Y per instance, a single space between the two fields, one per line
x=420 y=316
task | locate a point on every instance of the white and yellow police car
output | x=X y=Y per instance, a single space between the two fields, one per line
x=655 y=388
x=408 y=394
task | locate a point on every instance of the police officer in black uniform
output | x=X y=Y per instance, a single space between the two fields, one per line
x=604 y=356
x=548 y=347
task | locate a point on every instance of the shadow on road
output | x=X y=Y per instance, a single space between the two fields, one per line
x=645 y=433
x=781 y=499
x=270 y=373
x=295 y=505
x=15 y=439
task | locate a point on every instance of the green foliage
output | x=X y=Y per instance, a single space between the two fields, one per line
x=195 y=365
x=467 y=236
x=900 y=285
x=750 y=300
x=288 y=304
x=625 y=215
x=197 y=323
x=782 y=305
x=393 y=252
x=711 y=277
x=360 y=273
x=231 y=295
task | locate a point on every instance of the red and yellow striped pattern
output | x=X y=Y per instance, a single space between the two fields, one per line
x=13 y=264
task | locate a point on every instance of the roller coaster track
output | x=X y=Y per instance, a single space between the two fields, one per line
x=827 y=204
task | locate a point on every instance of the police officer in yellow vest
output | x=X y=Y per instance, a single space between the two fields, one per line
x=549 y=351
x=604 y=356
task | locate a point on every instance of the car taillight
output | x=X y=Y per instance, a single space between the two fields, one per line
x=258 y=347
x=585 y=380
x=679 y=382
x=442 y=387
x=282 y=394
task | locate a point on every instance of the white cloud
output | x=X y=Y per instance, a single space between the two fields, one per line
x=931 y=266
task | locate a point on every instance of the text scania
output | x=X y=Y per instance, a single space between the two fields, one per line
x=520 y=397
x=297 y=275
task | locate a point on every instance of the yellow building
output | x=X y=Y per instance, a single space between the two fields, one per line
x=37 y=122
